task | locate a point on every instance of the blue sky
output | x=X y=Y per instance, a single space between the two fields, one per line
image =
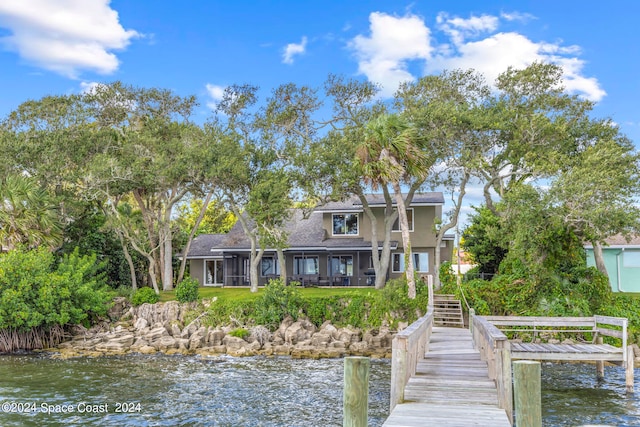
x=199 y=47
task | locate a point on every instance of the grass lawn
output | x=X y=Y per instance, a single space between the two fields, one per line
x=246 y=294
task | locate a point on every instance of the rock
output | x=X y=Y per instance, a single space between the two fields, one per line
x=119 y=308
x=174 y=329
x=215 y=337
x=282 y=350
x=568 y=341
x=234 y=343
x=321 y=339
x=348 y=335
x=165 y=343
x=140 y=324
x=146 y=349
x=296 y=332
x=139 y=343
x=377 y=340
x=190 y=329
x=636 y=350
x=156 y=333
x=197 y=340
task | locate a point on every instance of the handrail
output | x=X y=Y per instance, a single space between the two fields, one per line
x=407 y=347
x=495 y=349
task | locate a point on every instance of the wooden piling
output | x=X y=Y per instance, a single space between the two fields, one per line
x=629 y=369
x=356 y=391
x=599 y=363
x=527 y=389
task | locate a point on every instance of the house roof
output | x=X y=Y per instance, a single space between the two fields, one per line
x=619 y=241
x=304 y=233
x=353 y=204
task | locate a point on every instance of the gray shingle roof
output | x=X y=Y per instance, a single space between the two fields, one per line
x=304 y=233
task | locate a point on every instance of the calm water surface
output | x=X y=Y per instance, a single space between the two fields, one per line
x=256 y=391
x=182 y=391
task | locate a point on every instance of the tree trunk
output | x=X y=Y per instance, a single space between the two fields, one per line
x=406 y=241
x=192 y=233
x=132 y=267
x=379 y=257
x=599 y=257
x=282 y=263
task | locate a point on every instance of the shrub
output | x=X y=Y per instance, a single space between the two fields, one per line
x=240 y=333
x=187 y=290
x=277 y=302
x=38 y=296
x=145 y=295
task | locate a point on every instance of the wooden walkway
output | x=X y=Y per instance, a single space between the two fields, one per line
x=451 y=387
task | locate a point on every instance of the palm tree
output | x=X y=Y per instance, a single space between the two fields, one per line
x=393 y=152
x=28 y=214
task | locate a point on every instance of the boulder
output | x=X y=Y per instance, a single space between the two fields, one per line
x=140 y=324
x=234 y=343
x=165 y=343
x=296 y=332
x=348 y=335
x=156 y=333
x=215 y=337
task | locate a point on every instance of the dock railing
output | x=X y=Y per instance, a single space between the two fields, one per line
x=495 y=349
x=407 y=348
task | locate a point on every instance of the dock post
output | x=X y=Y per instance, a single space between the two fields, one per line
x=629 y=369
x=599 y=363
x=472 y=313
x=356 y=391
x=527 y=389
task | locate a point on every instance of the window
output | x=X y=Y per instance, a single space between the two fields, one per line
x=420 y=262
x=341 y=265
x=305 y=265
x=396 y=224
x=213 y=272
x=631 y=259
x=345 y=224
x=269 y=267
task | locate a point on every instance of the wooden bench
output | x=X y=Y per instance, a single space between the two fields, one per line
x=595 y=350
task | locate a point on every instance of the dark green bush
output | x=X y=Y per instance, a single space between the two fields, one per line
x=145 y=295
x=240 y=333
x=277 y=302
x=187 y=290
x=39 y=297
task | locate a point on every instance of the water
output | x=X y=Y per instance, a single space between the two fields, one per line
x=572 y=396
x=181 y=391
x=257 y=391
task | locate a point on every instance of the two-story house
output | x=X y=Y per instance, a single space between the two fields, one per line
x=331 y=247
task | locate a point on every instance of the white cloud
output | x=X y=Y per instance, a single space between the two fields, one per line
x=293 y=49
x=383 y=56
x=475 y=43
x=89 y=87
x=65 y=36
x=215 y=93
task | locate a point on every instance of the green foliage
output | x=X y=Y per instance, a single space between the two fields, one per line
x=446 y=274
x=484 y=241
x=216 y=218
x=240 y=333
x=277 y=302
x=392 y=304
x=187 y=290
x=144 y=295
x=35 y=292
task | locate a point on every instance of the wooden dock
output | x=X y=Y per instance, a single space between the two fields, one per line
x=450 y=387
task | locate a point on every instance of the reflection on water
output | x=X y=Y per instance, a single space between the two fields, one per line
x=256 y=391
x=572 y=396
x=181 y=391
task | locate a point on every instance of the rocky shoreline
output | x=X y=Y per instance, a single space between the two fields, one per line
x=160 y=328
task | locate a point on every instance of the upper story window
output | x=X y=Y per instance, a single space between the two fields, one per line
x=345 y=224
x=396 y=225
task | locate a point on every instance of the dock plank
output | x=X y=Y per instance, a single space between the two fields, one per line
x=451 y=387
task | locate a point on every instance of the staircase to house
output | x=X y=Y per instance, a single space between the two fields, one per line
x=447 y=311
